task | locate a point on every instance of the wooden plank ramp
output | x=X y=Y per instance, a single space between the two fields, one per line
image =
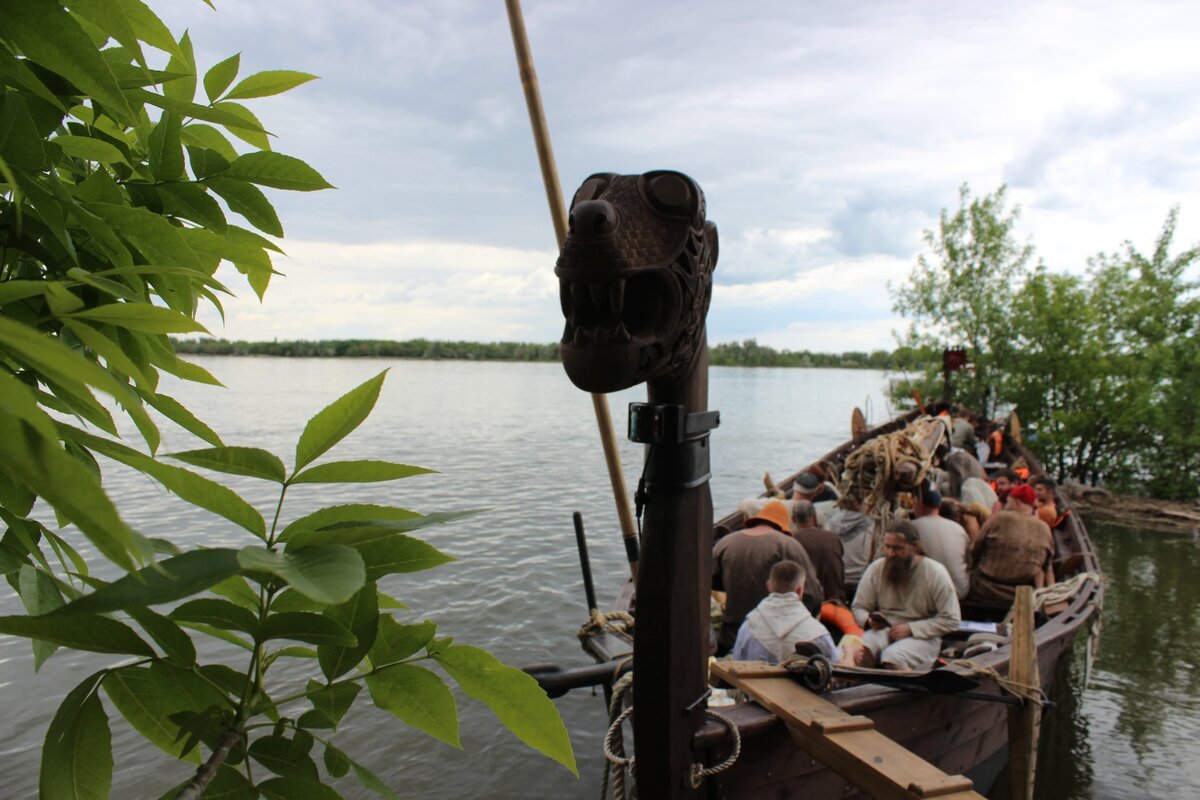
x=849 y=745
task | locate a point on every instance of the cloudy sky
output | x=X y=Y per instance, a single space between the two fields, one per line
x=826 y=135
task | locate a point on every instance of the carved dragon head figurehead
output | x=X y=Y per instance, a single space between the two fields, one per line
x=635 y=279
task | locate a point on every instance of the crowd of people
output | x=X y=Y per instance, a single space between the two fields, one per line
x=805 y=572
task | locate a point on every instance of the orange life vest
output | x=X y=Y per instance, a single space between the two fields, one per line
x=839 y=617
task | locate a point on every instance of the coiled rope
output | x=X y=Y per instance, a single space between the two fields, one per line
x=875 y=472
x=617 y=622
x=1061 y=592
x=698 y=772
x=618 y=762
x=614 y=741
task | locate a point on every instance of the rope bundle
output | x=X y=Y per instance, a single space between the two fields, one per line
x=616 y=622
x=889 y=464
x=614 y=745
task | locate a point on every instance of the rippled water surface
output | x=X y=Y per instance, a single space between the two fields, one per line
x=519 y=441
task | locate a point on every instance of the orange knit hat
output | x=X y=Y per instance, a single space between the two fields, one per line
x=775 y=514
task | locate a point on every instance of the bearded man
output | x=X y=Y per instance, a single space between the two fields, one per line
x=906 y=602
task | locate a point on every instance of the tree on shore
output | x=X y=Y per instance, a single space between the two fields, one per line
x=1101 y=367
x=963 y=290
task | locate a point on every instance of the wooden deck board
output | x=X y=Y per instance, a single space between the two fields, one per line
x=847 y=744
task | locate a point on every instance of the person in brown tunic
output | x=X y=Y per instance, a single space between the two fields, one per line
x=1014 y=549
x=823 y=547
x=742 y=562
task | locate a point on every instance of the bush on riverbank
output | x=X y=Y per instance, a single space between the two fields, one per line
x=1102 y=367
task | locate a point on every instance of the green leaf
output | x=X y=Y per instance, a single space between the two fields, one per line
x=182 y=62
x=61 y=365
x=165 y=359
x=249 y=461
x=21 y=144
x=62 y=549
x=357 y=472
x=513 y=696
x=219 y=633
x=193 y=488
x=241 y=122
x=217 y=613
x=206 y=161
x=190 y=201
x=176 y=644
x=291 y=600
x=173 y=410
x=148 y=27
x=92 y=633
x=149 y=696
x=163 y=582
x=158 y=240
x=293 y=788
x=360 y=616
x=21 y=402
x=135 y=317
x=238 y=591
x=281 y=755
x=277 y=171
x=111 y=351
x=396 y=642
x=350 y=513
x=330 y=703
x=39 y=594
x=265 y=84
x=200 y=135
x=336 y=762
x=77 y=760
x=65 y=483
x=337 y=420
x=90 y=149
x=326 y=573
x=372 y=781
x=248 y=200
x=418 y=698
x=304 y=626
x=218 y=78
x=399 y=554
x=13 y=290
x=51 y=37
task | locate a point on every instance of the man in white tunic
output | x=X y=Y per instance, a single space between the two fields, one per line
x=907 y=603
x=771 y=631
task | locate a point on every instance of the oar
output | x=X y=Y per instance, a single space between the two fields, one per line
x=558 y=214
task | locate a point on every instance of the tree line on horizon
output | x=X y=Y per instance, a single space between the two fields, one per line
x=746 y=353
x=1102 y=367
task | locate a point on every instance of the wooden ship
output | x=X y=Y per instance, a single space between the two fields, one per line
x=962 y=734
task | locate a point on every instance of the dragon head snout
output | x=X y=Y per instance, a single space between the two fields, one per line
x=592 y=218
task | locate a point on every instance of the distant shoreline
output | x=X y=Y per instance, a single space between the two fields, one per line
x=736 y=354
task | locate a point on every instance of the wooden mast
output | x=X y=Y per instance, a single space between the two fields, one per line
x=558 y=213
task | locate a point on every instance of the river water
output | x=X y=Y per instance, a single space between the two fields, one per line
x=519 y=441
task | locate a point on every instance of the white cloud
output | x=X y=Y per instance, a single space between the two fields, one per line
x=826 y=135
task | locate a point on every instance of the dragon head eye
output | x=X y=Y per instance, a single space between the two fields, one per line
x=670 y=193
x=592 y=188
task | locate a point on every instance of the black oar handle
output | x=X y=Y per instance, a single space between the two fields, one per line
x=588 y=587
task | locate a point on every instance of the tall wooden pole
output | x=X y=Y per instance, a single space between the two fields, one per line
x=558 y=213
x=1023 y=720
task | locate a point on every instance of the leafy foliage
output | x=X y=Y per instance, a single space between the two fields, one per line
x=964 y=294
x=120 y=193
x=1102 y=367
